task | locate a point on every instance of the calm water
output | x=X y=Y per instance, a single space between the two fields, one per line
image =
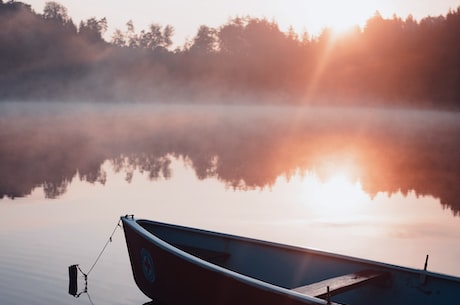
x=374 y=183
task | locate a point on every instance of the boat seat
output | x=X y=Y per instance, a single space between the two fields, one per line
x=341 y=283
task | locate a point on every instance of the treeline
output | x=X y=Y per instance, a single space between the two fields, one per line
x=392 y=61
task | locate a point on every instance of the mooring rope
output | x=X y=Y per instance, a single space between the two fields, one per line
x=73 y=284
x=105 y=246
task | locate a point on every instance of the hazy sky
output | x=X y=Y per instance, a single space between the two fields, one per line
x=187 y=15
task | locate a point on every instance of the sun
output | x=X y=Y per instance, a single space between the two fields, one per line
x=338 y=15
x=339 y=188
x=337 y=197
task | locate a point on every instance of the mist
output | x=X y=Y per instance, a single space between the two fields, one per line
x=244 y=102
x=243 y=146
x=390 y=62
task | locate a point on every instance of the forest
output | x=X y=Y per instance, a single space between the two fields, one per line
x=392 y=62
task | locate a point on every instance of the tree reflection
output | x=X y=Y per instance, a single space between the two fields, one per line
x=156 y=166
x=244 y=147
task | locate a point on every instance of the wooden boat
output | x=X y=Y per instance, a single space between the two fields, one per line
x=179 y=265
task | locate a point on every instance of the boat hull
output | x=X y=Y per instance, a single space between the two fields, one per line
x=169 y=278
x=166 y=272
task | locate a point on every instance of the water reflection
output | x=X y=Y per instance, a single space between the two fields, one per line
x=243 y=147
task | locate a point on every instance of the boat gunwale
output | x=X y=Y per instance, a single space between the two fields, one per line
x=133 y=222
x=136 y=224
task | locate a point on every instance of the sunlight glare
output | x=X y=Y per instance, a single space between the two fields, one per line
x=336 y=198
x=342 y=16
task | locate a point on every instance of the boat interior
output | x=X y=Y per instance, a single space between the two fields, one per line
x=309 y=272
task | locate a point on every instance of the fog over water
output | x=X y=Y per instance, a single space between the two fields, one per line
x=387 y=150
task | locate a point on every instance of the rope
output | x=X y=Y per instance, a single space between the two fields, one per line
x=85 y=291
x=103 y=249
x=71 y=278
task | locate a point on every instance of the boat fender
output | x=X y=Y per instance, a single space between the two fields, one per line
x=73 y=280
x=73 y=283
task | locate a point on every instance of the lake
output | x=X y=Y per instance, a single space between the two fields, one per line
x=380 y=184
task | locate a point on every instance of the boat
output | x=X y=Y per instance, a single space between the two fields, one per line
x=174 y=264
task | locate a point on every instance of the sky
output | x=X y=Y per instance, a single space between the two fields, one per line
x=303 y=15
